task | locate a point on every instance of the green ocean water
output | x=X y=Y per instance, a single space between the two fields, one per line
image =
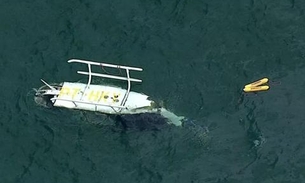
x=196 y=56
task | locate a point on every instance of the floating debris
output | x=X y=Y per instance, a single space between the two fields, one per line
x=257 y=86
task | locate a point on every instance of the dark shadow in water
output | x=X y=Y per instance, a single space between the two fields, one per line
x=144 y=121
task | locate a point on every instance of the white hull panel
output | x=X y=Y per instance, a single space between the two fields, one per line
x=101 y=98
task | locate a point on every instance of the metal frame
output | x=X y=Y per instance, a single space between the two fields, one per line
x=90 y=74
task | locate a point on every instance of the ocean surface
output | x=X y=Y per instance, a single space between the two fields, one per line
x=196 y=55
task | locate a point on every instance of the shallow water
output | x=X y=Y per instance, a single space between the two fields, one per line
x=196 y=56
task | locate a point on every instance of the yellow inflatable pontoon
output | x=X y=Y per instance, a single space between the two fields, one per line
x=256 y=86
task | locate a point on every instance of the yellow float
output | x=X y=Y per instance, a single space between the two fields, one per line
x=256 y=86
